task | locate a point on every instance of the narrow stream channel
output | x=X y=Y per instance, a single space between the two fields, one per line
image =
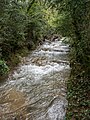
x=36 y=90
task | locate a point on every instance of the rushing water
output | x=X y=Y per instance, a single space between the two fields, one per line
x=36 y=90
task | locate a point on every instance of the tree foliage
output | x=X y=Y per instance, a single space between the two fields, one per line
x=23 y=23
x=12 y=25
x=73 y=21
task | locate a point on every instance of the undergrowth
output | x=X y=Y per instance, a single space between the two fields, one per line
x=79 y=98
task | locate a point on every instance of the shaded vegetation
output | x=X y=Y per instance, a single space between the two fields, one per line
x=73 y=21
x=3 y=67
x=24 y=24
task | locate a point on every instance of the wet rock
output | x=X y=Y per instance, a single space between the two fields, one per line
x=13 y=102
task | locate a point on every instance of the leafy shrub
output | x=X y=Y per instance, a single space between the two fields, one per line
x=3 y=68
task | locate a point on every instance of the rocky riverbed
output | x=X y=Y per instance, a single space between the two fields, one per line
x=36 y=90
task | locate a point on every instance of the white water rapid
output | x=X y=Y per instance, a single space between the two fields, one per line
x=36 y=90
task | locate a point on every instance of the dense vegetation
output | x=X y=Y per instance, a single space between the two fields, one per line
x=24 y=23
x=73 y=21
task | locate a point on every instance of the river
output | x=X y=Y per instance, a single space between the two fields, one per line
x=36 y=89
